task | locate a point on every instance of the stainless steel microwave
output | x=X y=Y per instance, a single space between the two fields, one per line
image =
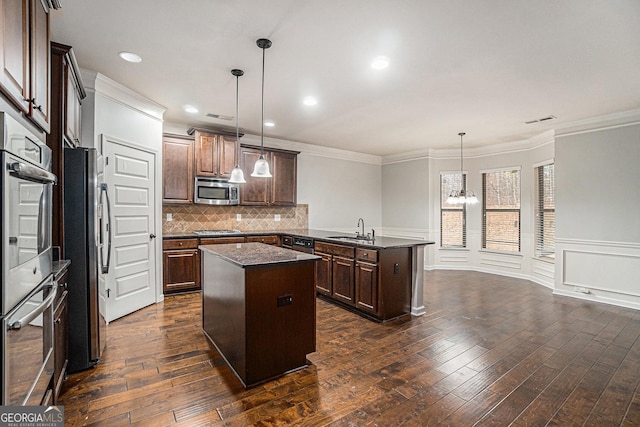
x=211 y=191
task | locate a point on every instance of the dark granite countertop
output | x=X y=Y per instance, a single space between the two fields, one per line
x=257 y=254
x=381 y=242
x=59 y=267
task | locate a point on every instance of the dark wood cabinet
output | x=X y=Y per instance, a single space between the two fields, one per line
x=267 y=240
x=180 y=265
x=67 y=93
x=366 y=282
x=343 y=279
x=280 y=189
x=60 y=337
x=324 y=274
x=25 y=57
x=215 y=154
x=373 y=281
x=177 y=169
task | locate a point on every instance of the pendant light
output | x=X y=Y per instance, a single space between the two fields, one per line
x=261 y=168
x=237 y=176
x=461 y=197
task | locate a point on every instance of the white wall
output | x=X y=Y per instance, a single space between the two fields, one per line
x=405 y=190
x=598 y=214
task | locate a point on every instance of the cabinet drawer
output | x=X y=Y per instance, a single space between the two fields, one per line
x=370 y=255
x=330 y=248
x=221 y=240
x=179 y=244
x=267 y=240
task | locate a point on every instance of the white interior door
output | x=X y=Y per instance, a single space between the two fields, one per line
x=130 y=283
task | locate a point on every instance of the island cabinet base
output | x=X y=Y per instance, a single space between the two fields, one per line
x=261 y=319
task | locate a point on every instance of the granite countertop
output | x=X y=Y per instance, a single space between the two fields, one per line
x=257 y=254
x=381 y=242
x=59 y=267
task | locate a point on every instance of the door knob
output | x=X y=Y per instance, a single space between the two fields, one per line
x=152 y=236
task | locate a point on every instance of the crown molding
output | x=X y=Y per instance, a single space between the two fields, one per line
x=99 y=83
x=532 y=143
x=594 y=124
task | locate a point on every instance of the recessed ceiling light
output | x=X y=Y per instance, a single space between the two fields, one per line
x=380 y=62
x=130 y=57
x=190 y=109
x=309 y=100
x=269 y=123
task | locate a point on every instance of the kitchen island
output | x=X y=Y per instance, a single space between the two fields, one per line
x=259 y=308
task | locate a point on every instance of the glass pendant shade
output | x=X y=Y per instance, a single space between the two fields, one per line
x=261 y=168
x=237 y=176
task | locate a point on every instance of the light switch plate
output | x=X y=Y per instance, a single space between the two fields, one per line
x=169 y=217
x=238 y=217
x=276 y=217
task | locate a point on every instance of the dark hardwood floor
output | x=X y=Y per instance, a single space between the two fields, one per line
x=491 y=350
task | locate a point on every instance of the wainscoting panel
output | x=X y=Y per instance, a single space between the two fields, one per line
x=609 y=272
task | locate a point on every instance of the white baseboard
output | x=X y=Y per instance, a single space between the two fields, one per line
x=594 y=298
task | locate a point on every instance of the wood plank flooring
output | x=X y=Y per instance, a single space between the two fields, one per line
x=491 y=351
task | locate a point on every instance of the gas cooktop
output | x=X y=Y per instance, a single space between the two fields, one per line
x=215 y=232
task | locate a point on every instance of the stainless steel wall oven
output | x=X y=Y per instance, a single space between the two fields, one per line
x=25 y=240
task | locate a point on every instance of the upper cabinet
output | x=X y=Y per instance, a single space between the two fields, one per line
x=67 y=93
x=177 y=169
x=25 y=57
x=280 y=189
x=215 y=153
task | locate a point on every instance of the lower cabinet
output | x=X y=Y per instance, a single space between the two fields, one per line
x=267 y=240
x=374 y=282
x=343 y=280
x=60 y=337
x=367 y=286
x=181 y=265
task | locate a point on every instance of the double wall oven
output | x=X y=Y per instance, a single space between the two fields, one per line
x=28 y=290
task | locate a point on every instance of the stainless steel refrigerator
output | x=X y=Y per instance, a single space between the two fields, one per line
x=87 y=328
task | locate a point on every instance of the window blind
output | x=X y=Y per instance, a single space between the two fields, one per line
x=453 y=224
x=501 y=210
x=545 y=230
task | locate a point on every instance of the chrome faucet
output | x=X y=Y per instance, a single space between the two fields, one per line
x=360 y=220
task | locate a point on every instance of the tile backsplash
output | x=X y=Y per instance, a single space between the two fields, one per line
x=187 y=218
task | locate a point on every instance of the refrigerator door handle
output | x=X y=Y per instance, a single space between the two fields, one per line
x=104 y=267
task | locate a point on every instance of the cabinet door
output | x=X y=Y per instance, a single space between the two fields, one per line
x=181 y=270
x=324 y=274
x=206 y=154
x=177 y=170
x=60 y=345
x=40 y=65
x=227 y=154
x=14 y=51
x=343 y=269
x=367 y=286
x=284 y=185
x=72 y=117
x=256 y=191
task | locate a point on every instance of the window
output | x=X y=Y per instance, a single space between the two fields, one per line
x=453 y=224
x=501 y=210
x=545 y=237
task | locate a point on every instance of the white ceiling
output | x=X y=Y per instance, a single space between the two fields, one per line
x=479 y=66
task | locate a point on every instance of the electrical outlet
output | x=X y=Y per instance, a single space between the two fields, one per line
x=169 y=217
x=285 y=300
x=276 y=217
x=396 y=268
x=238 y=217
